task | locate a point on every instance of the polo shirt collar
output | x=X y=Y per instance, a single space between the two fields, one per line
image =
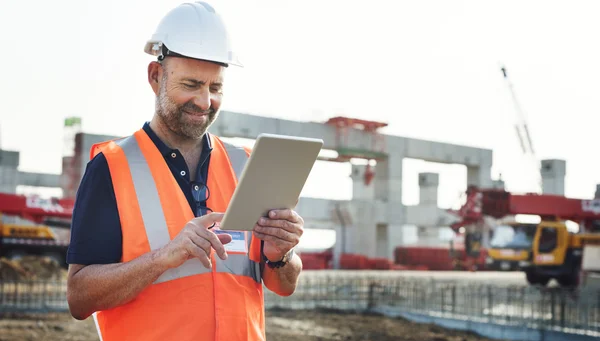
x=165 y=150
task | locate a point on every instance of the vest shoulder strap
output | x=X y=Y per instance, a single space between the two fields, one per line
x=102 y=147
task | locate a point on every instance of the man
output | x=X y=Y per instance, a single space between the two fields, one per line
x=146 y=256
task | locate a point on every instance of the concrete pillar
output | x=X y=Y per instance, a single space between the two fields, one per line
x=389 y=187
x=341 y=244
x=597 y=195
x=428 y=185
x=388 y=191
x=382 y=241
x=553 y=176
x=9 y=174
x=360 y=190
x=8 y=179
x=342 y=217
x=479 y=176
x=429 y=236
x=395 y=238
x=362 y=236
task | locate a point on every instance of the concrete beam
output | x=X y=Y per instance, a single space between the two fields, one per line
x=315 y=209
x=39 y=179
x=428 y=216
x=9 y=158
x=233 y=124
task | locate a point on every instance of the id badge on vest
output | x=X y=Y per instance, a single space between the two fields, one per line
x=238 y=243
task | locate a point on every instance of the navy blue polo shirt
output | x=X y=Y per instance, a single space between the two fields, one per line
x=96 y=229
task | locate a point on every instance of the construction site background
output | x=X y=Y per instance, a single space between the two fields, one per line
x=359 y=305
x=31 y=268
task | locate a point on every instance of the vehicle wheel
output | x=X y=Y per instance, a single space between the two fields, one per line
x=543 y=281
x=570 y=280
x=531 y=277
x=535 y=279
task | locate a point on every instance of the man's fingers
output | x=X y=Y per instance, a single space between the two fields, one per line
x=200 y=242
x=215 y=241
x=200 y=253
x=286 y=214
x=279 y=243
x=208 y=220
x=276 y=232
x=281 y=224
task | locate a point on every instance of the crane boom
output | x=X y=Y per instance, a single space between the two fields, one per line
x=499 y=203
x=523 y=133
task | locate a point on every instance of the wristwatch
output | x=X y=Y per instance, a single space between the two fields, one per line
x=286 y=259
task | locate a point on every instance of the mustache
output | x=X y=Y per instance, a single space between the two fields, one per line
x=194 y=109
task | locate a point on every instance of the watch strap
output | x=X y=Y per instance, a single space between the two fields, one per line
x=278 y=264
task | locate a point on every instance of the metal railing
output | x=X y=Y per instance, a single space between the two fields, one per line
x=533 y=307
x=515 y=305
x=33 y=296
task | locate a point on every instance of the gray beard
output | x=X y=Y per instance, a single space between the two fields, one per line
x=173 y=116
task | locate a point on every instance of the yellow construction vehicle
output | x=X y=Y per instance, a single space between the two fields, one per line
x=511 y=246
x=558 y=254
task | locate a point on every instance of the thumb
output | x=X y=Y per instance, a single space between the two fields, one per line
x=224 y=238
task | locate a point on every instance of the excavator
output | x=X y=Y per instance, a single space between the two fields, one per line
x=33 y=230
x=547 y=250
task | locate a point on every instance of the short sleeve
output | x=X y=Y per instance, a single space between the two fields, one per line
x=95 y=229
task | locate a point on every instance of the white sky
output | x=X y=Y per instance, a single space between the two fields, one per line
x=428 y=68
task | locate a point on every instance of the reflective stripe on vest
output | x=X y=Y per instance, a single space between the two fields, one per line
x=154 y=218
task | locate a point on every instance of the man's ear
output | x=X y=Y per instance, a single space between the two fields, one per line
x=154 y=74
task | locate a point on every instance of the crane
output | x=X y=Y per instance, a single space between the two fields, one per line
x=523 y=134
x=548 y=249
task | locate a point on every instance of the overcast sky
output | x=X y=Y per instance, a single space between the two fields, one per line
x=428 y=68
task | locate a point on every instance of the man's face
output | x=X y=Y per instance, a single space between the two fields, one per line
x=189 y=95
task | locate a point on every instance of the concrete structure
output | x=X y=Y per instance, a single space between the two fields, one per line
x=553 y=174
x=11 y=176
x=375 y=216
x=372 y=222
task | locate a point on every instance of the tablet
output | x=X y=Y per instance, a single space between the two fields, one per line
x=273 y=178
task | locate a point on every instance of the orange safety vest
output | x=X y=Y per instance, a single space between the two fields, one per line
x=189 y=302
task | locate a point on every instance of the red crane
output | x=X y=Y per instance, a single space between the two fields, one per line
x=498 y=203
x=34 y=208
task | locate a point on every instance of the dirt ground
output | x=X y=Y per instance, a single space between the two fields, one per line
x=281 y=326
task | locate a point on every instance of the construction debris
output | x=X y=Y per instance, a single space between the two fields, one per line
x=31 y=268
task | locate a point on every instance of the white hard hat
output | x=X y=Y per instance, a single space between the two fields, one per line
x=193 y=30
